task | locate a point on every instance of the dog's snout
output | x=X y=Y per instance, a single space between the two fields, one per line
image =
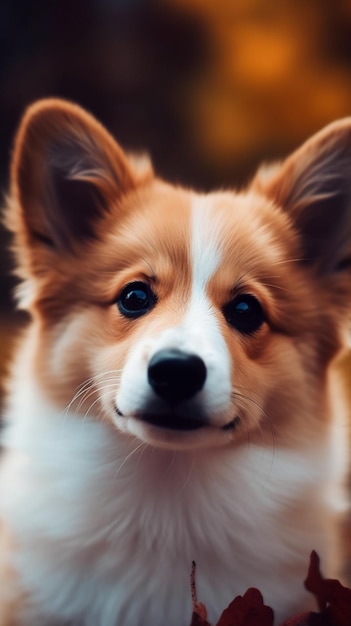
x=176 y=376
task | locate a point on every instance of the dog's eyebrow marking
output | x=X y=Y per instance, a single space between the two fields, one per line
x=205 y=249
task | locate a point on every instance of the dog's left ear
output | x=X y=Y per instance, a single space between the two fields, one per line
x=314 y=186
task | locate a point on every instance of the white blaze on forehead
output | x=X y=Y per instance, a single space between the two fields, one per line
x=205 y=257
x=205 y=250
x=197 y=331
x=201 y=324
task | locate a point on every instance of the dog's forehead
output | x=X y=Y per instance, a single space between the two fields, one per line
x=237 y=233
x=200 y=234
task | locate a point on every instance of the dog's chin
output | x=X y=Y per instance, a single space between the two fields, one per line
x=191 y=436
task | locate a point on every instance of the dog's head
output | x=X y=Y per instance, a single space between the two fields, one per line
x=183 y=319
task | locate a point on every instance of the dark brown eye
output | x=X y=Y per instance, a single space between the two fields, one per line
x=136 y=299
x=244 y=313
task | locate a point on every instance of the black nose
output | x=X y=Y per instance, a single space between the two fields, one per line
x=175 y=375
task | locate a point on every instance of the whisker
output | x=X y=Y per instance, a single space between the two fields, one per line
x=90 y=391
x=187 y=479
x=138 y=447
x=271 y=428
x=242 y=396
x=170 y=464
x=100 y=389
x=88 y=383
x=250 y=391
x=97 y=376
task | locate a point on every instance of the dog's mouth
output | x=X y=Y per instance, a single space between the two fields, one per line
x=174 y=422
x=179 y=422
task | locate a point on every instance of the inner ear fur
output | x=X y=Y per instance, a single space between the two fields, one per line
x=314 y=186
x=66 y=171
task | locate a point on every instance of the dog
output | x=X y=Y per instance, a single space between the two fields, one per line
x=175 y=395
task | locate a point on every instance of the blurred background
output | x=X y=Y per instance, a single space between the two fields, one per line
x=208 y=87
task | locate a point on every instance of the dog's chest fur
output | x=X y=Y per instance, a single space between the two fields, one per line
x=123 y=530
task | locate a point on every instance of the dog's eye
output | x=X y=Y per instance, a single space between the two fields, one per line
x=244 y=313
x=136 y=299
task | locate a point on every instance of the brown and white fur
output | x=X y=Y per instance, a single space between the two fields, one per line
x=111 y=486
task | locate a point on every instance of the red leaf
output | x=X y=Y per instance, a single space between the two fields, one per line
x=314 y=581
x=334 y=600
x=247 y=610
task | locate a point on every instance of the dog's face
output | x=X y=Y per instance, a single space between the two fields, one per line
x=184 y=320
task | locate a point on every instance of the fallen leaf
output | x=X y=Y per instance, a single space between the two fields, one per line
x=247 y=610
x=333 y=599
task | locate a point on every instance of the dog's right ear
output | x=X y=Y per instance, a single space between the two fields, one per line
x=313 y=187
x=67 y=170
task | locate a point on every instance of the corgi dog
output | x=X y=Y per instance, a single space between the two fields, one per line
x=175 y=395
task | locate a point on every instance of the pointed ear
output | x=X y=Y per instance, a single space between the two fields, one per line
x=66 y=172
x=314 y=186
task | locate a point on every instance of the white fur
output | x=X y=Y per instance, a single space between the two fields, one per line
x=102 y=533
x=205 y=244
